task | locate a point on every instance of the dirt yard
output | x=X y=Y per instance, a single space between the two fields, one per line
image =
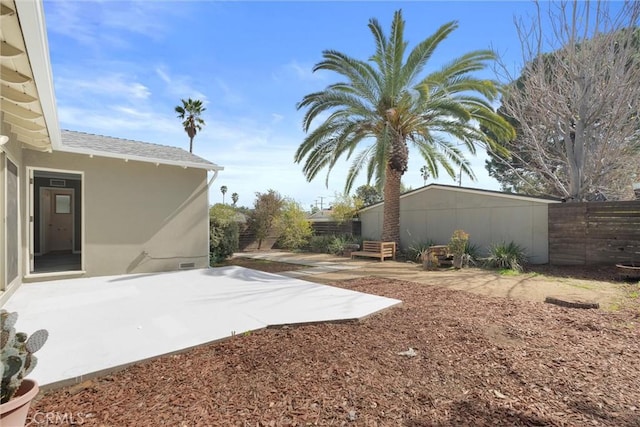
x=475 y=360
x=597 y=284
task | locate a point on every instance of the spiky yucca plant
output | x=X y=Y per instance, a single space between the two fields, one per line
x=509 y=256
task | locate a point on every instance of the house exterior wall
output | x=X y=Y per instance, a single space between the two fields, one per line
x=433 y=214
x=138 y=217
x=12 y=150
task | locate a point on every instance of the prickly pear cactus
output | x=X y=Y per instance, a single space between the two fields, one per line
x=17 y=354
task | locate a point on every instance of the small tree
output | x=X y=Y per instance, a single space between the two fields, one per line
x=234 y=198
x=576 y=102
x=223 y=190
x=345 y=207
x=265 y=217
x=296 y=228
x=368 y=194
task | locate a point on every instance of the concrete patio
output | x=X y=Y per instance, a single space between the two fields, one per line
x=103 y=323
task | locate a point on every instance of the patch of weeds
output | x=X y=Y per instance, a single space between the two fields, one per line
x=634 y=294
x=581 y=285
x=508 y=272
x=615 y=306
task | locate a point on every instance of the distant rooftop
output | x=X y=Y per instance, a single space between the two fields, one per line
x=107 y=146
x=321 y=216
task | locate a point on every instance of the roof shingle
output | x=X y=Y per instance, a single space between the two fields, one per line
x=135 y=150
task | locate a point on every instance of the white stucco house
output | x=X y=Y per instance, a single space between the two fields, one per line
x=75 y=204
x=433 y=212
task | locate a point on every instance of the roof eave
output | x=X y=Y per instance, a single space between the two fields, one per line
x=469 y=190
x=32 y=22
x=193 y=165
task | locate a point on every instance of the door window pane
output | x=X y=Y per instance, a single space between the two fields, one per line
x=63 y=204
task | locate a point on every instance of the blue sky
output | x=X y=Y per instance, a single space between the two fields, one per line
x=121 y=67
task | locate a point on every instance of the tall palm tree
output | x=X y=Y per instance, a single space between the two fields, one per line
x=234 y=198
x=189 y=112
x=223 y=190
x=384 y=104
x=424 y=171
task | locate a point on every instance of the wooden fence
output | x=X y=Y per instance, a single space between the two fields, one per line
x=334 y=227
x=594 y=233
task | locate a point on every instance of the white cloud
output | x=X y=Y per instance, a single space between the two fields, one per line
x=301 y=72
x=230 y=97
x=115 y=85
x=100 y=23
x=178 y=86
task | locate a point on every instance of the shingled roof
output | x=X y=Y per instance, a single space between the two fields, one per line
x=107 y=146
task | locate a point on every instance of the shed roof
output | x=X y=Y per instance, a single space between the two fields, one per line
x=107 y=146
x=412 y=193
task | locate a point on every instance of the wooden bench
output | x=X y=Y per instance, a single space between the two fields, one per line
x=375 y=249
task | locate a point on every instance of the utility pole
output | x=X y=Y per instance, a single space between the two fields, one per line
x=321 y=202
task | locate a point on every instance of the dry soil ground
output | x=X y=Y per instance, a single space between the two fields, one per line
x=476 y=360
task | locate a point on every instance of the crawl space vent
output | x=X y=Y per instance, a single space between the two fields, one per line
x=184 y=265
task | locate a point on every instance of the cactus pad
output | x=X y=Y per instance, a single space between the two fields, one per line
x=8 y=320
x=36 y=340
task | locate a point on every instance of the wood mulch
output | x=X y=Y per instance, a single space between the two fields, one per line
x=478 y=361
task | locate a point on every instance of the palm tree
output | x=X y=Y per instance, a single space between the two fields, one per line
x=189 y=112
x=234 y=198
x=223 y=190
x=384 y=104
x=424 y=171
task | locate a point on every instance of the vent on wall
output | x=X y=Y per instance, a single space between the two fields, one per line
x=57 y=182
x=184 y=265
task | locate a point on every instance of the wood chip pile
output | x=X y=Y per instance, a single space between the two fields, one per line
x=444 y=358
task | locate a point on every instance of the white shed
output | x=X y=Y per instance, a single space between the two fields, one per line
x=433 y=212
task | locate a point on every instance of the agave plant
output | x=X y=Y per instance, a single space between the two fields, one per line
x=506 y=256
x=17 y=353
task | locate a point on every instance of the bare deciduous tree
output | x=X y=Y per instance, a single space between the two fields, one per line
x=577 y=100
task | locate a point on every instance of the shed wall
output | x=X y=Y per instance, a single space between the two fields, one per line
x=433 y=215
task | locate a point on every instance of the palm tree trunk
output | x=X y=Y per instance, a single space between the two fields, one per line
x=191 y=145
x=391 y=213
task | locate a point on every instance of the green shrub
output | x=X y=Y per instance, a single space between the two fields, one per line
x=506 y=256
x=296 y=230
x=332 y=244
x=458 y=243
x=320 y=244
x=225 y=233
x=338 y=245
